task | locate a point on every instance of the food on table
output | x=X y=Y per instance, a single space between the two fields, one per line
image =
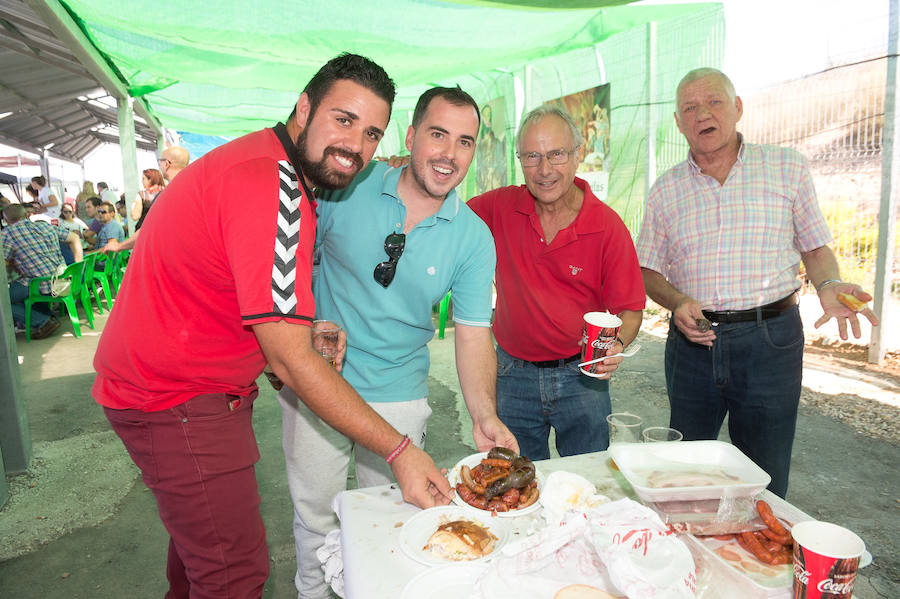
x=851 y=301
x=771 y=546
x=582 y=591
x=461 y=540
x=503 y=481
x=663 y=479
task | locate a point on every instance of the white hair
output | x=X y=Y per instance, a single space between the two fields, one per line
x=702 y=73
x=547 y=110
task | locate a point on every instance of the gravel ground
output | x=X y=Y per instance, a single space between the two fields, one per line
x=868 y=416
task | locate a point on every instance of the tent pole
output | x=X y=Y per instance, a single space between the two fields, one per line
x=129 y=156
x=887 y=213
x=652 y=114
x=15 y=435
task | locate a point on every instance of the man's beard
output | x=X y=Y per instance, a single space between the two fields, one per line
x=318 y=172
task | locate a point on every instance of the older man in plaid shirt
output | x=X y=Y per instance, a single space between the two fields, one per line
x=32 y=249
x=723 y=236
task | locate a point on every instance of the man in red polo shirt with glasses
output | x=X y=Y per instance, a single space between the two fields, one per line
x=561 y=252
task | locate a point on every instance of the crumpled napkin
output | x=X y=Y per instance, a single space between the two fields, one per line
x=539 y=565
x=329 y=555
x=622 y=547
x=568 y=492
x=644 y=557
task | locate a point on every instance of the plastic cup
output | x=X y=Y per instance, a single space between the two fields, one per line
x=599 y=335
x=826 y=558
x=653 y=434
x=326 y=336
x=624 y=428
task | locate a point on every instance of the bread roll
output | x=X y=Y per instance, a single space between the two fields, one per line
x=851 y=301
x=582 y=591
x=461 y=540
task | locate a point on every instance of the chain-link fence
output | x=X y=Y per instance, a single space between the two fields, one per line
x=836 y=119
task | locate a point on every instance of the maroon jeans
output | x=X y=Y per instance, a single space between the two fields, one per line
x=198 y=459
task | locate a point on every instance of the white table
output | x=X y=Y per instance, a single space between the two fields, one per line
x=374 y=565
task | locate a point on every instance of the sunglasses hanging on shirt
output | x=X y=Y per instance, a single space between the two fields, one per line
x=393 y=247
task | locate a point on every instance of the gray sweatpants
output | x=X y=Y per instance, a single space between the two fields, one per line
x=317 y=459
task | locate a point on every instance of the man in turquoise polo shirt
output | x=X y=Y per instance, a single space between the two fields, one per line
x=391 y=245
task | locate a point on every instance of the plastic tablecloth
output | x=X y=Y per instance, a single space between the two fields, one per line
x=371 y=519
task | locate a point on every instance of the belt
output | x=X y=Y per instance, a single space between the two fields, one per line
x=554 y=363
x=762 y=312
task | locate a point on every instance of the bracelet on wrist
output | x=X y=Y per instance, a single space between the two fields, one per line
x=397 y=450
x=619 y=339
x=827 y=282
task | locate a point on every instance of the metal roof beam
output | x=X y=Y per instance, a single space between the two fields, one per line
x=26 y=147
x=69 y=33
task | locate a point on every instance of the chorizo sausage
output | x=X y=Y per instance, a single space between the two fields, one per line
x=471 y=498
x=765 y=512
x=773 y=536
x=752 y=544
x=511 y=497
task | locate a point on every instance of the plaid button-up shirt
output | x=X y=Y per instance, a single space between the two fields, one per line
x=733 y=246
x=33 y=249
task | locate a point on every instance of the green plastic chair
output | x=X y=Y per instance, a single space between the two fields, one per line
x=89 y=290
x=442 y=314
x=102 y=277
x=74 y=273
x=121 y=261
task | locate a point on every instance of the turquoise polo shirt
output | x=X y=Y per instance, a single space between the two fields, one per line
x=388 y=330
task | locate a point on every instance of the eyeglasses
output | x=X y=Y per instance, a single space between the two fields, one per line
x=531 y=159
x=103 y=211
x=161 y=160
x=393 y=247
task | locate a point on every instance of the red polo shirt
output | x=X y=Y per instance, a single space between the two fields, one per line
x=227 y=245
x=544 y=290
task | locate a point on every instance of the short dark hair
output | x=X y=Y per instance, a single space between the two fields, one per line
x=354 y=67
x=103 y=185
x=109 y=206
x=95 y=201
x=453 y=95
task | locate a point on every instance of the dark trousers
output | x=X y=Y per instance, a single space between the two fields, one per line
x=198 y=459
x=753 y=374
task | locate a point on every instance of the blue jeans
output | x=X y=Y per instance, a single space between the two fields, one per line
x=530 y=400
x=18 y=293
x=752 y=373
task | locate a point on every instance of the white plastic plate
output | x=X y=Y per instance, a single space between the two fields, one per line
x=699 y=462
x=446 y=582
x=418 y=529
x=472 y=461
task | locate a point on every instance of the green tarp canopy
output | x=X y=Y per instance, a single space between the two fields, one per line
x=225 y=67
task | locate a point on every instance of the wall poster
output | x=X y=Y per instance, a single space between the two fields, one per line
x=590 y=111
x=490 y=148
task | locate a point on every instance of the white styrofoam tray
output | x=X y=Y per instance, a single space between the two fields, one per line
x=764 y=581
x=640 y=463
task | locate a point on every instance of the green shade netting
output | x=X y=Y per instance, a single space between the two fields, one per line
x=227 y=67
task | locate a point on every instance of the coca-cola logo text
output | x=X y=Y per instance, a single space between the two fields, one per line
x=600 y=344
x=841 y=588
x=801 y=574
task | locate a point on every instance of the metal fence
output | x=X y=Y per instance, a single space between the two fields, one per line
x=836 y=119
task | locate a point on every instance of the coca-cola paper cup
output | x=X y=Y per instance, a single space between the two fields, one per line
x=826 y=557
x=600 y=332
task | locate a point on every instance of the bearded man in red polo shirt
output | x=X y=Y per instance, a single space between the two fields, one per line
x=561 y=252
x=213 y=291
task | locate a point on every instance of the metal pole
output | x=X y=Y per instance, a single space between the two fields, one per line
x=15 y=436
x=887 y=213
x=652 y=122
x=127 y=145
